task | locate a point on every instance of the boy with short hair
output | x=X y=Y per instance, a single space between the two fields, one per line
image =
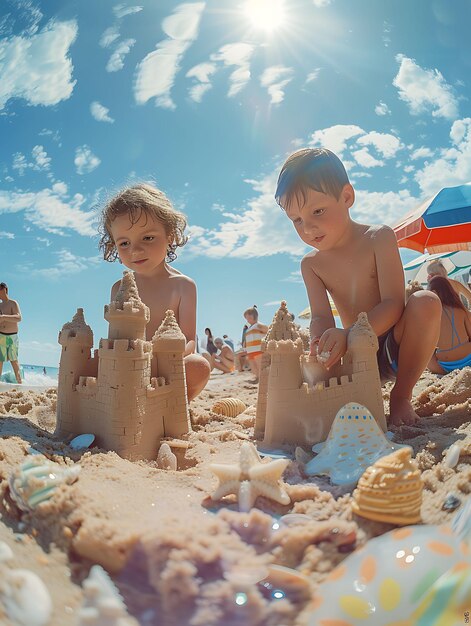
x=253 y=341
x=360 y=267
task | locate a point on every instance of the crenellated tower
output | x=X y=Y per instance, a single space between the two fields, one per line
x=76 y=339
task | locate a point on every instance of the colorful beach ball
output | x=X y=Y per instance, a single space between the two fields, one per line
x=411 y=576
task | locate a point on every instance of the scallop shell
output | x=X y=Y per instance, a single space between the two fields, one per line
x=229 y=407
x=36 y=480
x=390 y=490
x=166 y=459
x=24 y=598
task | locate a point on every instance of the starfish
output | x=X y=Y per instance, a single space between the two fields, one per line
x=250 y=478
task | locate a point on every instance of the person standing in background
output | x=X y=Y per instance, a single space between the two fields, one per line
x=10 y=316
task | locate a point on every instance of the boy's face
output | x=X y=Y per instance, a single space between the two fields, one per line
x=322 y=220
x=250 y=319
x=142 y=246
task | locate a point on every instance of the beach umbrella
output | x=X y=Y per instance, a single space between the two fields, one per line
x=455 y=263
x=440 y=224
x=306 y=313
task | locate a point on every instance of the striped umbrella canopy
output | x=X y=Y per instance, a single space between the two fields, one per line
x=440 y=224
x=455 y=263
x=306 y=313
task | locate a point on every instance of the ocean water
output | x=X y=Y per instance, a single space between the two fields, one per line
x=32 y=374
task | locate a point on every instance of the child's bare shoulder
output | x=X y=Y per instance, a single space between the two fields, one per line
x=183 y=283
x=380 y=233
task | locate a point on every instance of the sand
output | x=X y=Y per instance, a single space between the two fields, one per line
x=177 y=557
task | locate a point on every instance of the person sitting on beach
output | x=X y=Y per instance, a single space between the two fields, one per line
x=360 y=267
x=10 y=315
x=208 y=345
x=141 y=227
x=436 y=268
x=229 y=341
x=223 y=360
x=253 y=341
x=454 y=343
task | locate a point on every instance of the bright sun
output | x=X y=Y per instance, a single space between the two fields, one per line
x=265 y=14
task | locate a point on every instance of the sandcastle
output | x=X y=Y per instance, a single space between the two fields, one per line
x=291 y=411
x=131 y=392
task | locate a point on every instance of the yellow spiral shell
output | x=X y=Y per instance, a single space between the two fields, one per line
x=230 y=407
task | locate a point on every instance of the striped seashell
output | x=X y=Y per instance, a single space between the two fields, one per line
x=230 y=407
x=36 y=479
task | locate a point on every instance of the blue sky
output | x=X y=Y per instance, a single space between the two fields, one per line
x=207 y=99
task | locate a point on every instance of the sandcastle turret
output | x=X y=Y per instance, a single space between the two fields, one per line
x=76 y=339
x=168 y=347
x=362 y=344
x=127 y=315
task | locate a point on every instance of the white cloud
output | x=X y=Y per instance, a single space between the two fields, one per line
x=100 y=113
x=41 y=160
x=238 y=55
x=38 y=68
x=365 y=159
x=155 y=74
x=382 y=208
x=424 y=90
x=408 y=169
x=335 y=137
x=67 y=264
x=6 y=235
x=109 y=36
x=273 y=302
x=260 y=229
x=312 y=76
x=116 y=60
x=453 y=164
x=382 y=109
x=321 y=3
x=275 y=79
x=387 y=145
x=421 y=153
x=294 y=277
x=202 y=74
x=50 y=209
x=121 y=10
x=85 y=161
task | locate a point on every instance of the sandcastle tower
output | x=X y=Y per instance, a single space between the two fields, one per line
x=123 y=405
x=169 y=344
x=76 y=339
x=289 y=411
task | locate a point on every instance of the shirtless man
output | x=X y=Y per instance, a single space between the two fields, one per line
x=359 y=265
x=224 y=359
x=10 y=315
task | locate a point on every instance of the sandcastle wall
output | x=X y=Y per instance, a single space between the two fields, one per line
x=114 y=395
x=291 y=412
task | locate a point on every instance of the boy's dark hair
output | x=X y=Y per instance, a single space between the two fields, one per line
x=134 y=201
x=444 y=290
x=310 y=168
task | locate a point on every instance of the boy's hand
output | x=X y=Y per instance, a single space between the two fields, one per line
x=333 y=343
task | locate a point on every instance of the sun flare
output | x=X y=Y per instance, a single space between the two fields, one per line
x=267 y=15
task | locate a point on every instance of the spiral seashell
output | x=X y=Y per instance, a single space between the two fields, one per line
x=36 y=480
x=229 y=407
x=390 y=490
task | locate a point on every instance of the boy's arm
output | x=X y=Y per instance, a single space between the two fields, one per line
x=263 y=328
x=321 y=313
x=187 y=313
x=390 y=282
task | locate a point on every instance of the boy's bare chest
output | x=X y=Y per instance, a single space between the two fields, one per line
x=6 y=308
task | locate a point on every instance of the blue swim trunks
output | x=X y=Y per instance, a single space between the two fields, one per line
x=387 y=356
x=8 y=347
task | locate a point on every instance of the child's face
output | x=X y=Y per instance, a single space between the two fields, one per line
x=142 y=246
x=250 y=319
x=322 y=220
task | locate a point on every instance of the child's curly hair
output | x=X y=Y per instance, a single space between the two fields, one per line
x=134 y=201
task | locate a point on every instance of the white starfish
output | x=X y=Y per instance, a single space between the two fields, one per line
x=250 y=478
